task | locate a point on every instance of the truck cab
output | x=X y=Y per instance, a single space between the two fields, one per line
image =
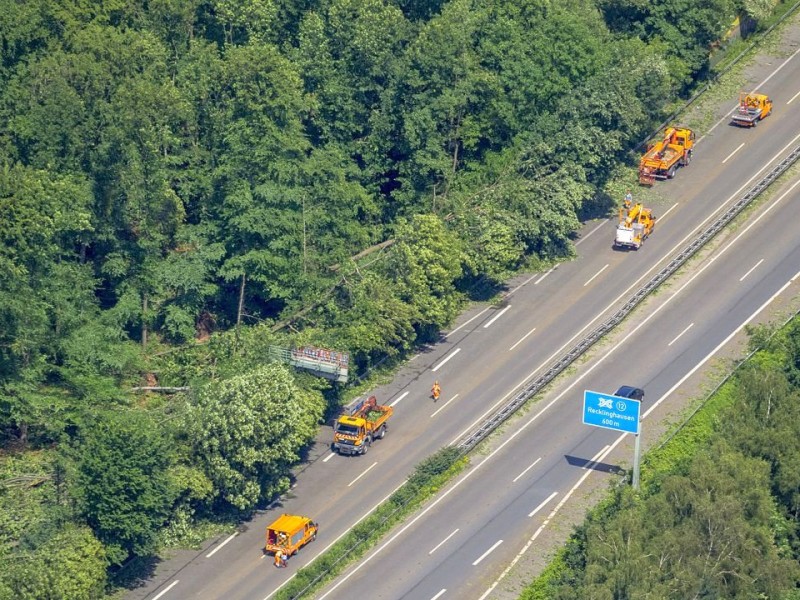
x=683 y=137
x=355 y=432
x=351 y=431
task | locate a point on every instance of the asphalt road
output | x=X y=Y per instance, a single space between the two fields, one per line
x=464 y=539
x=490 y=353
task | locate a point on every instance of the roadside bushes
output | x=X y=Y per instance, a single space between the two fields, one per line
x=719 y=517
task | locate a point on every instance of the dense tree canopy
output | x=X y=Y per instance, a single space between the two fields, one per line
x=177 y=176
x=726 y=523
x=121 y=484
x=247 y=432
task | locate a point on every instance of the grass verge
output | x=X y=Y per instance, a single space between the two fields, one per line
x=667 y=459
x=428 y=478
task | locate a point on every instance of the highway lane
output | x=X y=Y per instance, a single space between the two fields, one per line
x=505 y=497
x=493 y=358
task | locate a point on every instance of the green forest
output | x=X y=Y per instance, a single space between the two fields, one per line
x=186 y=185
x=719 y=515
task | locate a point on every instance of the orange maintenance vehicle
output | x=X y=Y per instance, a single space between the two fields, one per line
x=289 y=533
x=634 y=227
x=752 y=108
x=664 y=157
x=353 y=433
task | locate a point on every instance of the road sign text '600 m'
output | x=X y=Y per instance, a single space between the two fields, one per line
x=611 y=412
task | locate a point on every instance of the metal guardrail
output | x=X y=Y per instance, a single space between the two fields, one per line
x=487 y=427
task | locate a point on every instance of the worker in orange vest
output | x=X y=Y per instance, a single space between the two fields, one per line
x=436 y=390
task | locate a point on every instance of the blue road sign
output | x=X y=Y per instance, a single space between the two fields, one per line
x=611 y=412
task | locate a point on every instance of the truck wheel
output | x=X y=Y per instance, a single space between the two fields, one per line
x=671 y=172
x=381 y=432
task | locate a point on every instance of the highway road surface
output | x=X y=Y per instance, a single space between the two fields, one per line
x=488 y=355
x=459 y=544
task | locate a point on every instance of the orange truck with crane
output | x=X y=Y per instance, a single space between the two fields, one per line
x=664 y=157
x=634 y=227
x=752 y=108
x=288 y=533
x=353 y=433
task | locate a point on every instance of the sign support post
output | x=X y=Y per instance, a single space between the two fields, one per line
x=617 y=413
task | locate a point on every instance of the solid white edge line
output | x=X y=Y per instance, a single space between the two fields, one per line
x=543 y=504
x=403 y=395
x=730 y=112
x=169 y=587
x=444 y=541
x=362 y=473
x=487 y=553
x=675 y=339
x=442 y=407
x=523 y=284
x=465 y=323
x=722 y=120
x=597 y=458
x=448 y=357
x=585 y=327
x=524 y=426
x=541 y=279
x=595 y=275
x=530 y=466
x=710 y=355
x=522 y=339
x=775 y=72
x=603 y=222
x=497 y=316
x=753 y=268
x=656 y=404
x=508 y=439
x=727 y=158
x=228 y=539
x=669 y=210
x=340 y=536
x=545 y=408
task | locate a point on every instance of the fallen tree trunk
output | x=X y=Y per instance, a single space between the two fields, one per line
x=156 y=388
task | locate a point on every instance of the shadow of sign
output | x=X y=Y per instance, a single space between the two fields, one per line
x=586 y=463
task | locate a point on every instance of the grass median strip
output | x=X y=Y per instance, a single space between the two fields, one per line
x=428 y=478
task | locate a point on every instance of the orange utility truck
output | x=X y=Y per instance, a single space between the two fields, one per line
x=664 y=157
x=289 y=533
x=354 y=432
x=752 y=108
x=634 y=227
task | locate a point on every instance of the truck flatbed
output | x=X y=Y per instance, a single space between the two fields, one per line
x=752 y=109
x=748 y=116
x=658 y=159
x=354 y=433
